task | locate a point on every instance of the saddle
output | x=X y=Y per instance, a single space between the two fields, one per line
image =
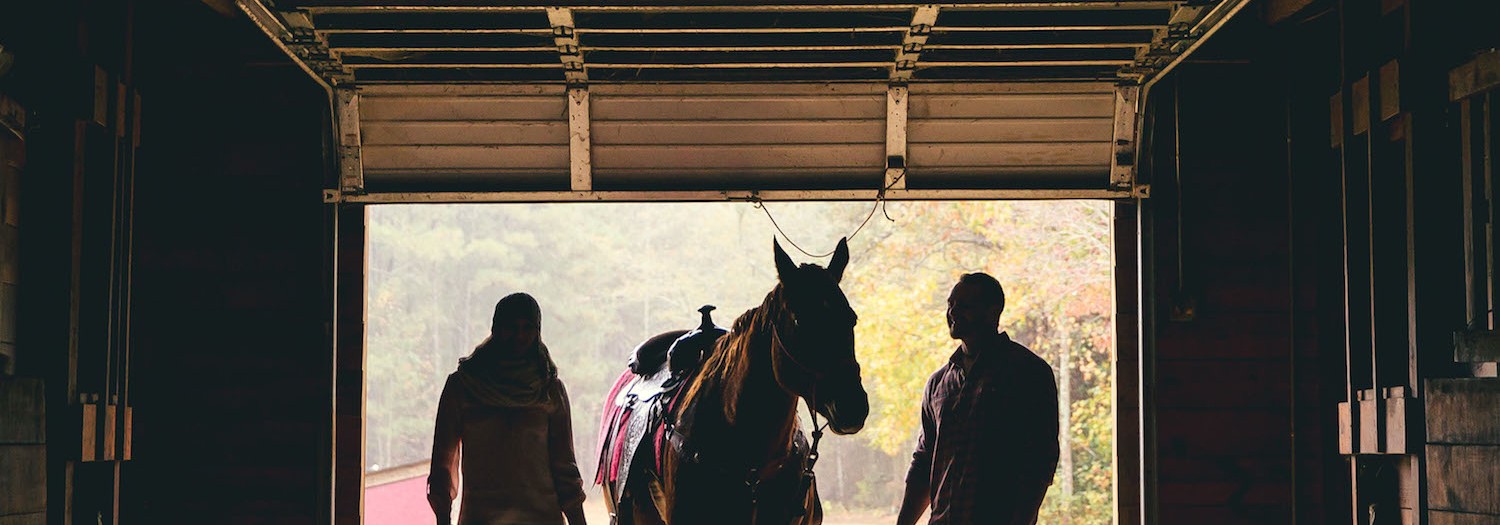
x=643 y=399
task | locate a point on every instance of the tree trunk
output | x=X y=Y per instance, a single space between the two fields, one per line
x=1065 y=409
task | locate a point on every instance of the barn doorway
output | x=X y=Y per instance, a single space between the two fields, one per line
x=609 y=275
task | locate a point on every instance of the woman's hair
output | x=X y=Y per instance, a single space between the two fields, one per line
x=518 y=305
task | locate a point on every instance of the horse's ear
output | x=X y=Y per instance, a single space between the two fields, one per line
x=784 y=265
x=840 y=260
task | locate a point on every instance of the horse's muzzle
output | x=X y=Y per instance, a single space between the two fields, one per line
x=847 y=415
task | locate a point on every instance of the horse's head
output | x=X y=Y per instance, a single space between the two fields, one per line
x=816 y=357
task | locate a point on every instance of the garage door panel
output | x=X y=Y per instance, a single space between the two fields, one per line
x=680 y=136
x=489 y=179
x=828 y=131
x=1011 y=177
x=1027 y=105
x=924 y=156
x=736 y=179
x=438 y=158
x=519 y=132
x=741 y=157
x=737 y=108
x=376 y=108
x=1009 y=130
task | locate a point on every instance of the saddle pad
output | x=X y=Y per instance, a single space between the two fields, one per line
x=609 y=422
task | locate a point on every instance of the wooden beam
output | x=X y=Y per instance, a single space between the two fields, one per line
x=1476 y=346
x=895 y=137
x=351 y=163
x=1476 y=76
x=579 y=150
x=568 y=50
x=923 y=18
x=1126 y=136
x=736 y=195
x=1277 y=11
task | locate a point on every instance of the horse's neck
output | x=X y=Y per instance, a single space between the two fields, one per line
x=766 y=414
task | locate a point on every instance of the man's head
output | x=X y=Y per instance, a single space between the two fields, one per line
x=974 y=306
x=517 y=323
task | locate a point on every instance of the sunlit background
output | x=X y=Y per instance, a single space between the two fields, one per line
x=610 y=275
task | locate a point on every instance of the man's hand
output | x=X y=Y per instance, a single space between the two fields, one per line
x=917 y=498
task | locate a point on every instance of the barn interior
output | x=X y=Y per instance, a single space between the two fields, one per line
x=1303 y=230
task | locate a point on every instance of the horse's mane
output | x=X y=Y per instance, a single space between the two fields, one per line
x=729 y=365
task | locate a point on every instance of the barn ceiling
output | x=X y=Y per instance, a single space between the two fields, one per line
x=469 y=41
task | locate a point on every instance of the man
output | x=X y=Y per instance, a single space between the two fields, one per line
x=988 y=446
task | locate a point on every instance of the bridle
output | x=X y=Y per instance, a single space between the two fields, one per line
x=814 y=377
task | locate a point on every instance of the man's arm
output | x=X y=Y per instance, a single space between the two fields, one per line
x=918 y=477
x=915 y=502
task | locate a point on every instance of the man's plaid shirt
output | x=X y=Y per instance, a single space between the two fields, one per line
x=988 y=446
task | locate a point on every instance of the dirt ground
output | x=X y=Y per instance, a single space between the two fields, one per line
x=594 y=510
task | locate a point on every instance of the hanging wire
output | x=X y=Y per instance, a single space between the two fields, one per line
x=879 y=204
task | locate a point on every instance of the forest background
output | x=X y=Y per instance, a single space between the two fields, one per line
x=610 y=275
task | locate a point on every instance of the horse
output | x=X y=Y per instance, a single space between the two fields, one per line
x=728 y=447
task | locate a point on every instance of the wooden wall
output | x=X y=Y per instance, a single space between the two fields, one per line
x=1244 y=323
x=177 y=264
x=1330 y=234
x=234 y=314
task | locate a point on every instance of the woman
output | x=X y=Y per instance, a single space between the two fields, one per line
x=504 y=416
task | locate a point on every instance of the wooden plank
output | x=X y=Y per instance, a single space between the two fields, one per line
x=1012 y=106
x=1371 y=422
x=769 y=107
x=751 y=89
x=1277 y=11
x=687 y=133
x=35 y=518
x=740 y=156
x=1039 y=154
x=896 y=131
x=23 y=479
x=1474 y=77
x=1390 y=89
x=446 y=157
x=12 y=191
x=1476 y=346
x=23 y=411
x=1258 y=383
x=8 y=310
x=1360 y=105
x=1463 y=411
x=1336 y=120
x=1463 y=478
x=579 y=149
x=1443 y=517
x=463 y=108
x=1219 y=336
x=1253 y=492
x=513 y=132
x=1398 y=426
x=824 y=131
x=984 y=130
x=1222 y=432
x=1474 y=301
x=10 y=260
x=522 y=177
x=460 y=90
x=88 y=417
